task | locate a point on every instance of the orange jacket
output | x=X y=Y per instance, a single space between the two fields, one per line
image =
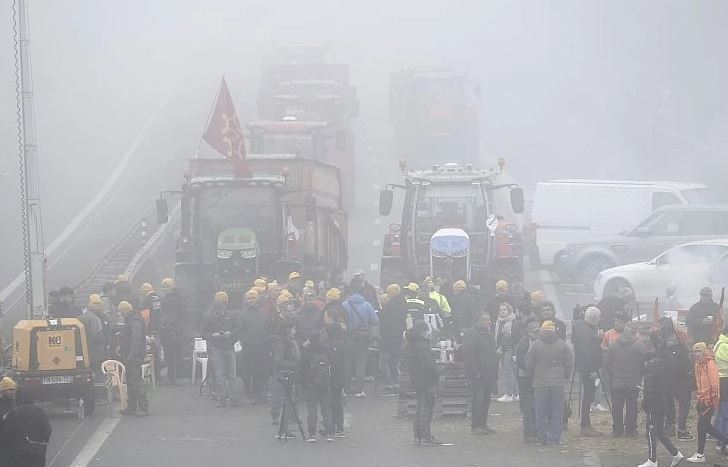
x=706 y=377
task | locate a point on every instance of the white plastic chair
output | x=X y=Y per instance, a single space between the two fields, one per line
x=148 y=373
x=199 y=355
x=115 y=373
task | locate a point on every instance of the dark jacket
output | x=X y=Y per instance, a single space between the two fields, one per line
x=336 y=311
x=559 y=325
x=587 y=347
x=479 y=354
x=676 y=376
x=654 y=392
x=285 y=354
x=550 y=360
x=609 y=306
x=256 y=329
x=465 y=309
x=133 y=344
x=625 y=359
x=152 y=305
x=5 y=441
x=392 y=324
x=174 y=314
x=27 y=421
x=420 y=362
x=309 y=320
x=699 y=331
x=315 y=369
x=334 y=336
x=223 y=322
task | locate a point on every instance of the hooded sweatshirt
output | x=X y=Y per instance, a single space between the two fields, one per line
x=550 y=360
x=721 y=355
x=706 y=379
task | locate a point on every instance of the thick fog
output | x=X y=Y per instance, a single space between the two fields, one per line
x=607 y=89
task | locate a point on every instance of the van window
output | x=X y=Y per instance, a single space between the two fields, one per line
x=664 y=198
x=704 y=223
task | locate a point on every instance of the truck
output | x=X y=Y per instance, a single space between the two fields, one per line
x=458 y=222
x=300 y=83
x=434 y=113
x=288 y=215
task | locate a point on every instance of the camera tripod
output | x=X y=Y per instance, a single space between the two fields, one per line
x=289 y=406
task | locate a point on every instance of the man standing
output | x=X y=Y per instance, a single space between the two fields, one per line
x=28 y=431
x=7 y=403
x=133 y=348
x=367 y=290
x=392 y=324
x=362 y=324
x=220 y=329
x=424 y=380
x=588 y=362
x=465 y=309
x=93 y=327
x=700 y=318
x=625 y=358
x=481 y=367
x=550 y=360
x=439 y=298
x=174 y=322
x=525 y=382
x=310 y=319
x=548 y=313
x=256 y=332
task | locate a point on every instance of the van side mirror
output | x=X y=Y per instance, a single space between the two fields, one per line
x=386 y=197
x=162 y=211
x=517 y=201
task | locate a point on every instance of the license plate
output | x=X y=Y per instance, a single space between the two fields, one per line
x=57 y=379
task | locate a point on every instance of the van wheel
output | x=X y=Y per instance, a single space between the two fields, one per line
x=590 y=269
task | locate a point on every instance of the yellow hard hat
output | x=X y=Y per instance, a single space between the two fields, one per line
x=251 y=294
x=8 y=384
x=125 y=307
x=121 y=278
x=294 y=275
x=548 y=326
x=167 y=283
x=286 y=293
x=501 y=286
x=393 y=289
x=309 y=283
x=95 y=303
x=259 y=290
x=282 y=299
x=333 y=294
x=459 y=285
x=272 y=286
x=259 y=282
x=412 y=287
x=537 y=296
x=146 y=288
x=221 y=297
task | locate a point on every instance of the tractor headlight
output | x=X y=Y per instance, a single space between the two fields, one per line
x=248 y=254
x=224 y=254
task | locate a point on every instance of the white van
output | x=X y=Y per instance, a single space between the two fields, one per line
x=567 y=210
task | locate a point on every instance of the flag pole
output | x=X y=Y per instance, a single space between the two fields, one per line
x=209 y=116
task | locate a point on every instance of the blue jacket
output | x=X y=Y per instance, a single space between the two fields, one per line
x=366 y=315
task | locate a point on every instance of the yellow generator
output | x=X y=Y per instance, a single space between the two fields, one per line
x=50 y=360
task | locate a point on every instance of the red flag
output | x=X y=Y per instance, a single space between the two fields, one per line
x=224 y=133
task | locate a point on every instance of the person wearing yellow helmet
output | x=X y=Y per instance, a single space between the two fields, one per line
x=221 y=329
x=465 y=307
x=133 y=350
x=334 y=312
x=92 y=320
x=173 y=326
x=439 y=298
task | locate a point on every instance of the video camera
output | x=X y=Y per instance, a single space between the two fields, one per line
x=286 y=378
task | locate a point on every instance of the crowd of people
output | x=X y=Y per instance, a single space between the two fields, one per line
x=512 y=346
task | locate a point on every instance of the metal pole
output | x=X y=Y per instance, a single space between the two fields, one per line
x=34 y=248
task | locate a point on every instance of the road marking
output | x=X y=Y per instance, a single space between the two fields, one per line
x=94 y=443
x=55 y=458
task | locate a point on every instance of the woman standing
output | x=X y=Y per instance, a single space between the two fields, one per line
x=507 y=335
x=706 y=379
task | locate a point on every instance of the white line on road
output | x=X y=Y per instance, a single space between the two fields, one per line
x=94 y=443
x=60 y=451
